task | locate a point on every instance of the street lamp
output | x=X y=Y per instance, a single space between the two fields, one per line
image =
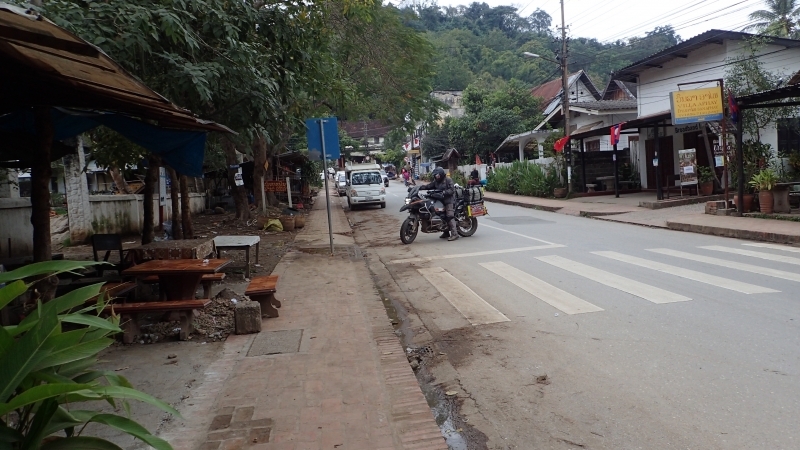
x=564 y=104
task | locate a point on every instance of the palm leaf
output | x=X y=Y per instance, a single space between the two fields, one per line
x=92 y=321
x=11 y=291
x=35 y=433
x=75 y=353
x=40 y=393
x=121 y=392
x=61 y=420
x=9 y=435
x=124 y=424
x=45 y=267
x=18 y=362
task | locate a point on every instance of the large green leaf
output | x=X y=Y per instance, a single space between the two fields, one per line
x=74 y=353
x=76 y=367
x=20 y=359
x=124 y=424
x=38 y=394
x=6 y=341
x=121 y=392
x=74 y=298
x=79 y=443
x=61 y=420
x=35 y=433
x=92 y=321
x=45 y=267
x=11 y=291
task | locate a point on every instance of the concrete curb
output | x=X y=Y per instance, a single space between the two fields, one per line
x=734 y=233
x=523 y=204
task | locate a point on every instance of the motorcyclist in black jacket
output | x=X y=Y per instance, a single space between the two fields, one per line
x=447 y=187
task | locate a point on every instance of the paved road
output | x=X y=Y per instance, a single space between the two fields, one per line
x=648 y=338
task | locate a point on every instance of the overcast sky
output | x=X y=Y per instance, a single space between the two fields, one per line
x=608 y=20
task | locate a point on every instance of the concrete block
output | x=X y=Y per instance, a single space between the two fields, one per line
x=713 y=206
x=247 y=316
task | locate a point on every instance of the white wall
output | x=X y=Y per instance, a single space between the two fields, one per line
x=706 y=63
x=15 y=223
x=124 y=214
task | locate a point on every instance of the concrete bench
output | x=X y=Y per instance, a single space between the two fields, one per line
x=129 y=312
x=206 y=281
x=590 y=187
x=262 y=290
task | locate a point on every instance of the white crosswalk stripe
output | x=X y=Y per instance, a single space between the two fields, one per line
x=729 y=264
x=690 y=274
x=761 y=255
x=555 y=297
x=633 y=287
x=475 y=309
x=776 y=247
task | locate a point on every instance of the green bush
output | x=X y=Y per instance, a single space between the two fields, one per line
x=458 y=178
x=524 y=178
x=47 y=372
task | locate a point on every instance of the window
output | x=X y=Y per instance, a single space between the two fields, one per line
x=593 y=146
x=788 y=136
x=363 y=178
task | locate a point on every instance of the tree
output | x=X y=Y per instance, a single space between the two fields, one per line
x=779 y=19
x=746 y=74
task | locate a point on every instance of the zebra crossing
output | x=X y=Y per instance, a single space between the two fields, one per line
x=567 y=300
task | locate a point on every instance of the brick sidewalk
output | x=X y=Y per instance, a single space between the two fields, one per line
x=346 y=384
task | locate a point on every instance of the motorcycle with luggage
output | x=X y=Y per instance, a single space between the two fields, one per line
x=426 y=212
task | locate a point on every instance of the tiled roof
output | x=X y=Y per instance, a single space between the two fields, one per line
x=606 y=105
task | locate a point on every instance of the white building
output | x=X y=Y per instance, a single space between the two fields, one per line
x=705 y=58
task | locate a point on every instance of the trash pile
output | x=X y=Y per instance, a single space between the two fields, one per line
x=216 y=320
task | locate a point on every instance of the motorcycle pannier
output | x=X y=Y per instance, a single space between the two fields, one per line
x=473 y=194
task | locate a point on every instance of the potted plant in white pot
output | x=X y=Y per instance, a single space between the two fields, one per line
x=764 y=181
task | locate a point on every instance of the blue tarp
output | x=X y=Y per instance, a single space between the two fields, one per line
x=182 y=150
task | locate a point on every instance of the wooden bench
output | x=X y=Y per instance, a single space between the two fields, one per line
x=113 y=290
x=206 y=281
x=262 y=290
x=129 y=312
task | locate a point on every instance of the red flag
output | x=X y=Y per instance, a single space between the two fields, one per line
x=615 y=130
x=478 y=160
x=733 y=108
x=559 y=145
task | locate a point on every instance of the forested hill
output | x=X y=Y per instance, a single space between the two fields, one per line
x=482 y=42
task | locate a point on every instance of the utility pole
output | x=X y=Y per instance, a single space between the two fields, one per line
x=565 y=97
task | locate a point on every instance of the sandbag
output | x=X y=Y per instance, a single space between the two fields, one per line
x=273 y=225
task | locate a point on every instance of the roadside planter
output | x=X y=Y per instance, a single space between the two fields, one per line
x=764 y=182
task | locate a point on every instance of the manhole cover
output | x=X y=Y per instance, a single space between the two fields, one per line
x=274 y=342
x=517 y=220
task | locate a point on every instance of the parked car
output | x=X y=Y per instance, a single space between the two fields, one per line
x=341 y=184
x=385 y=178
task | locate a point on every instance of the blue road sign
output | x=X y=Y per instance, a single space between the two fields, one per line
x=314 y=136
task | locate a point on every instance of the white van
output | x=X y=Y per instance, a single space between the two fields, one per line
x=365 y=185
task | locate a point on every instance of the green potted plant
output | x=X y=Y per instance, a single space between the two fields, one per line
x=705 y=178
x=764 y=181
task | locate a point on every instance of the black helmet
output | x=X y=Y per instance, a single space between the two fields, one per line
x=438 y=174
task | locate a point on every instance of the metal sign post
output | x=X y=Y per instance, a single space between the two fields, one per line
x=325 y=175
x=322 y=145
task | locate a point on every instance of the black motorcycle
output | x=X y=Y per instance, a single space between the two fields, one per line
x=426 y=213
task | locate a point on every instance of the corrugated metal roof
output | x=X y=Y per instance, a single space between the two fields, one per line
x=44 y=64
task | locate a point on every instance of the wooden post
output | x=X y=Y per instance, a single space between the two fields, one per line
x=40 y=185
x=175 y=207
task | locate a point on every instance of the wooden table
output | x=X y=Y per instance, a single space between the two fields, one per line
x=238 y=243
x=179 y=278
x=175 y=249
